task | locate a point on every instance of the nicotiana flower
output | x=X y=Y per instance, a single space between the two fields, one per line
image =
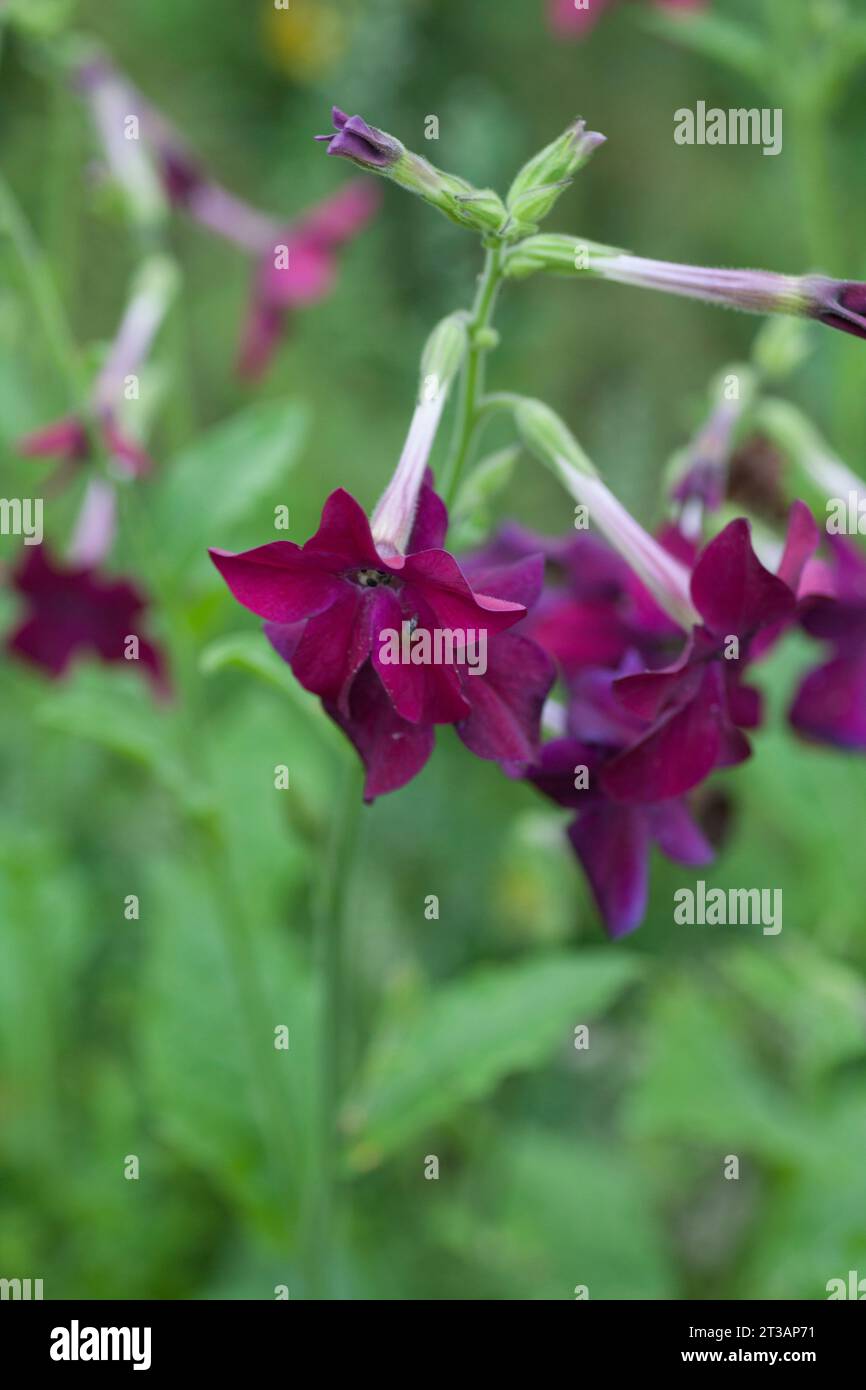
x=593 y=609
x=328 y=603
x=830 y=706
x=296 y=261
x=612 y=840
x=299 y=267
x=572 y=19
x=72 y=610
x=697 y=708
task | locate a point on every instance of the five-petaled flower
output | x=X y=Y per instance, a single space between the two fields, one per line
x=327 y=604
x=74 y=610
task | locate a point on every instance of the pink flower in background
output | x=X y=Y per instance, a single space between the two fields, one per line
x=572 y=21
x=296 y=262
x=299 y=267
x=69 y=441
x=72 y=610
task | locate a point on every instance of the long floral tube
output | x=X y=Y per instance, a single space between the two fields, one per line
x=837 y=303
x=547 y=437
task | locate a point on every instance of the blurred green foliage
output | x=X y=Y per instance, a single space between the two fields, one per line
x=154 y=1037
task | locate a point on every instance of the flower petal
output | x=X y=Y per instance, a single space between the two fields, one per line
x=612 y=844
x=392 y=750
x=507 y=701
x=276 y=582
x=732 y=590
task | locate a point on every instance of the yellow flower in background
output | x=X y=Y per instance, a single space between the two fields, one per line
x=308 y=38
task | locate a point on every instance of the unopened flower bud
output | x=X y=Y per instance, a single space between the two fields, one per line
x=555 y=164
x=479 y=208
x=364 y=144
x=443 y=355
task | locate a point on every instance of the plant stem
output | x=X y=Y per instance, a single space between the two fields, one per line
x=331 y=921
x=472 y=383
x=43 y=293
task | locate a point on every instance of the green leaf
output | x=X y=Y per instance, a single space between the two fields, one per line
x=464 y=1040
x=220 y=1092
x=225 y=476
x=116 y=711
x=700 y=1083
x=714 y=37
x=813 y=1009
x=252 y=652
x=581 y=1213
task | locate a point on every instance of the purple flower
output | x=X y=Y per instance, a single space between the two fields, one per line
x=612 y=840
x=328 y=606
x=73 y=611
x=830 y=706
x=696 y=709
x=362 y=143
x=592 y=610
x=299 y=267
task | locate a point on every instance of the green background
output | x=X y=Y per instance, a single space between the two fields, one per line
x=154 y=1037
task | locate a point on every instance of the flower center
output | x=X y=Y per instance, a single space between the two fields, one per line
x=372 y=579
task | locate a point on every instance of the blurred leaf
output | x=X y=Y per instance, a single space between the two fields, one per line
x=225 y=476
x=581 y=1210
x=812 y=1228
x=221 y=1093
x=815 y=1008
x=117 y=711
x=700 y=1084
x=715 y=37
x=253 y=653
x=469 y=1036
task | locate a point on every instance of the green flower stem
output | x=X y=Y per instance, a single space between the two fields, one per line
x=331 y=924
x=472 y=383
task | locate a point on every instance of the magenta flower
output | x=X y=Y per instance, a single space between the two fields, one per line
x=72 y=610
x=697 y=708
x=592 y=609
x=329 y=604
x=299 y=268
x=830 y=706
x=572 y=19
x=612 y=840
